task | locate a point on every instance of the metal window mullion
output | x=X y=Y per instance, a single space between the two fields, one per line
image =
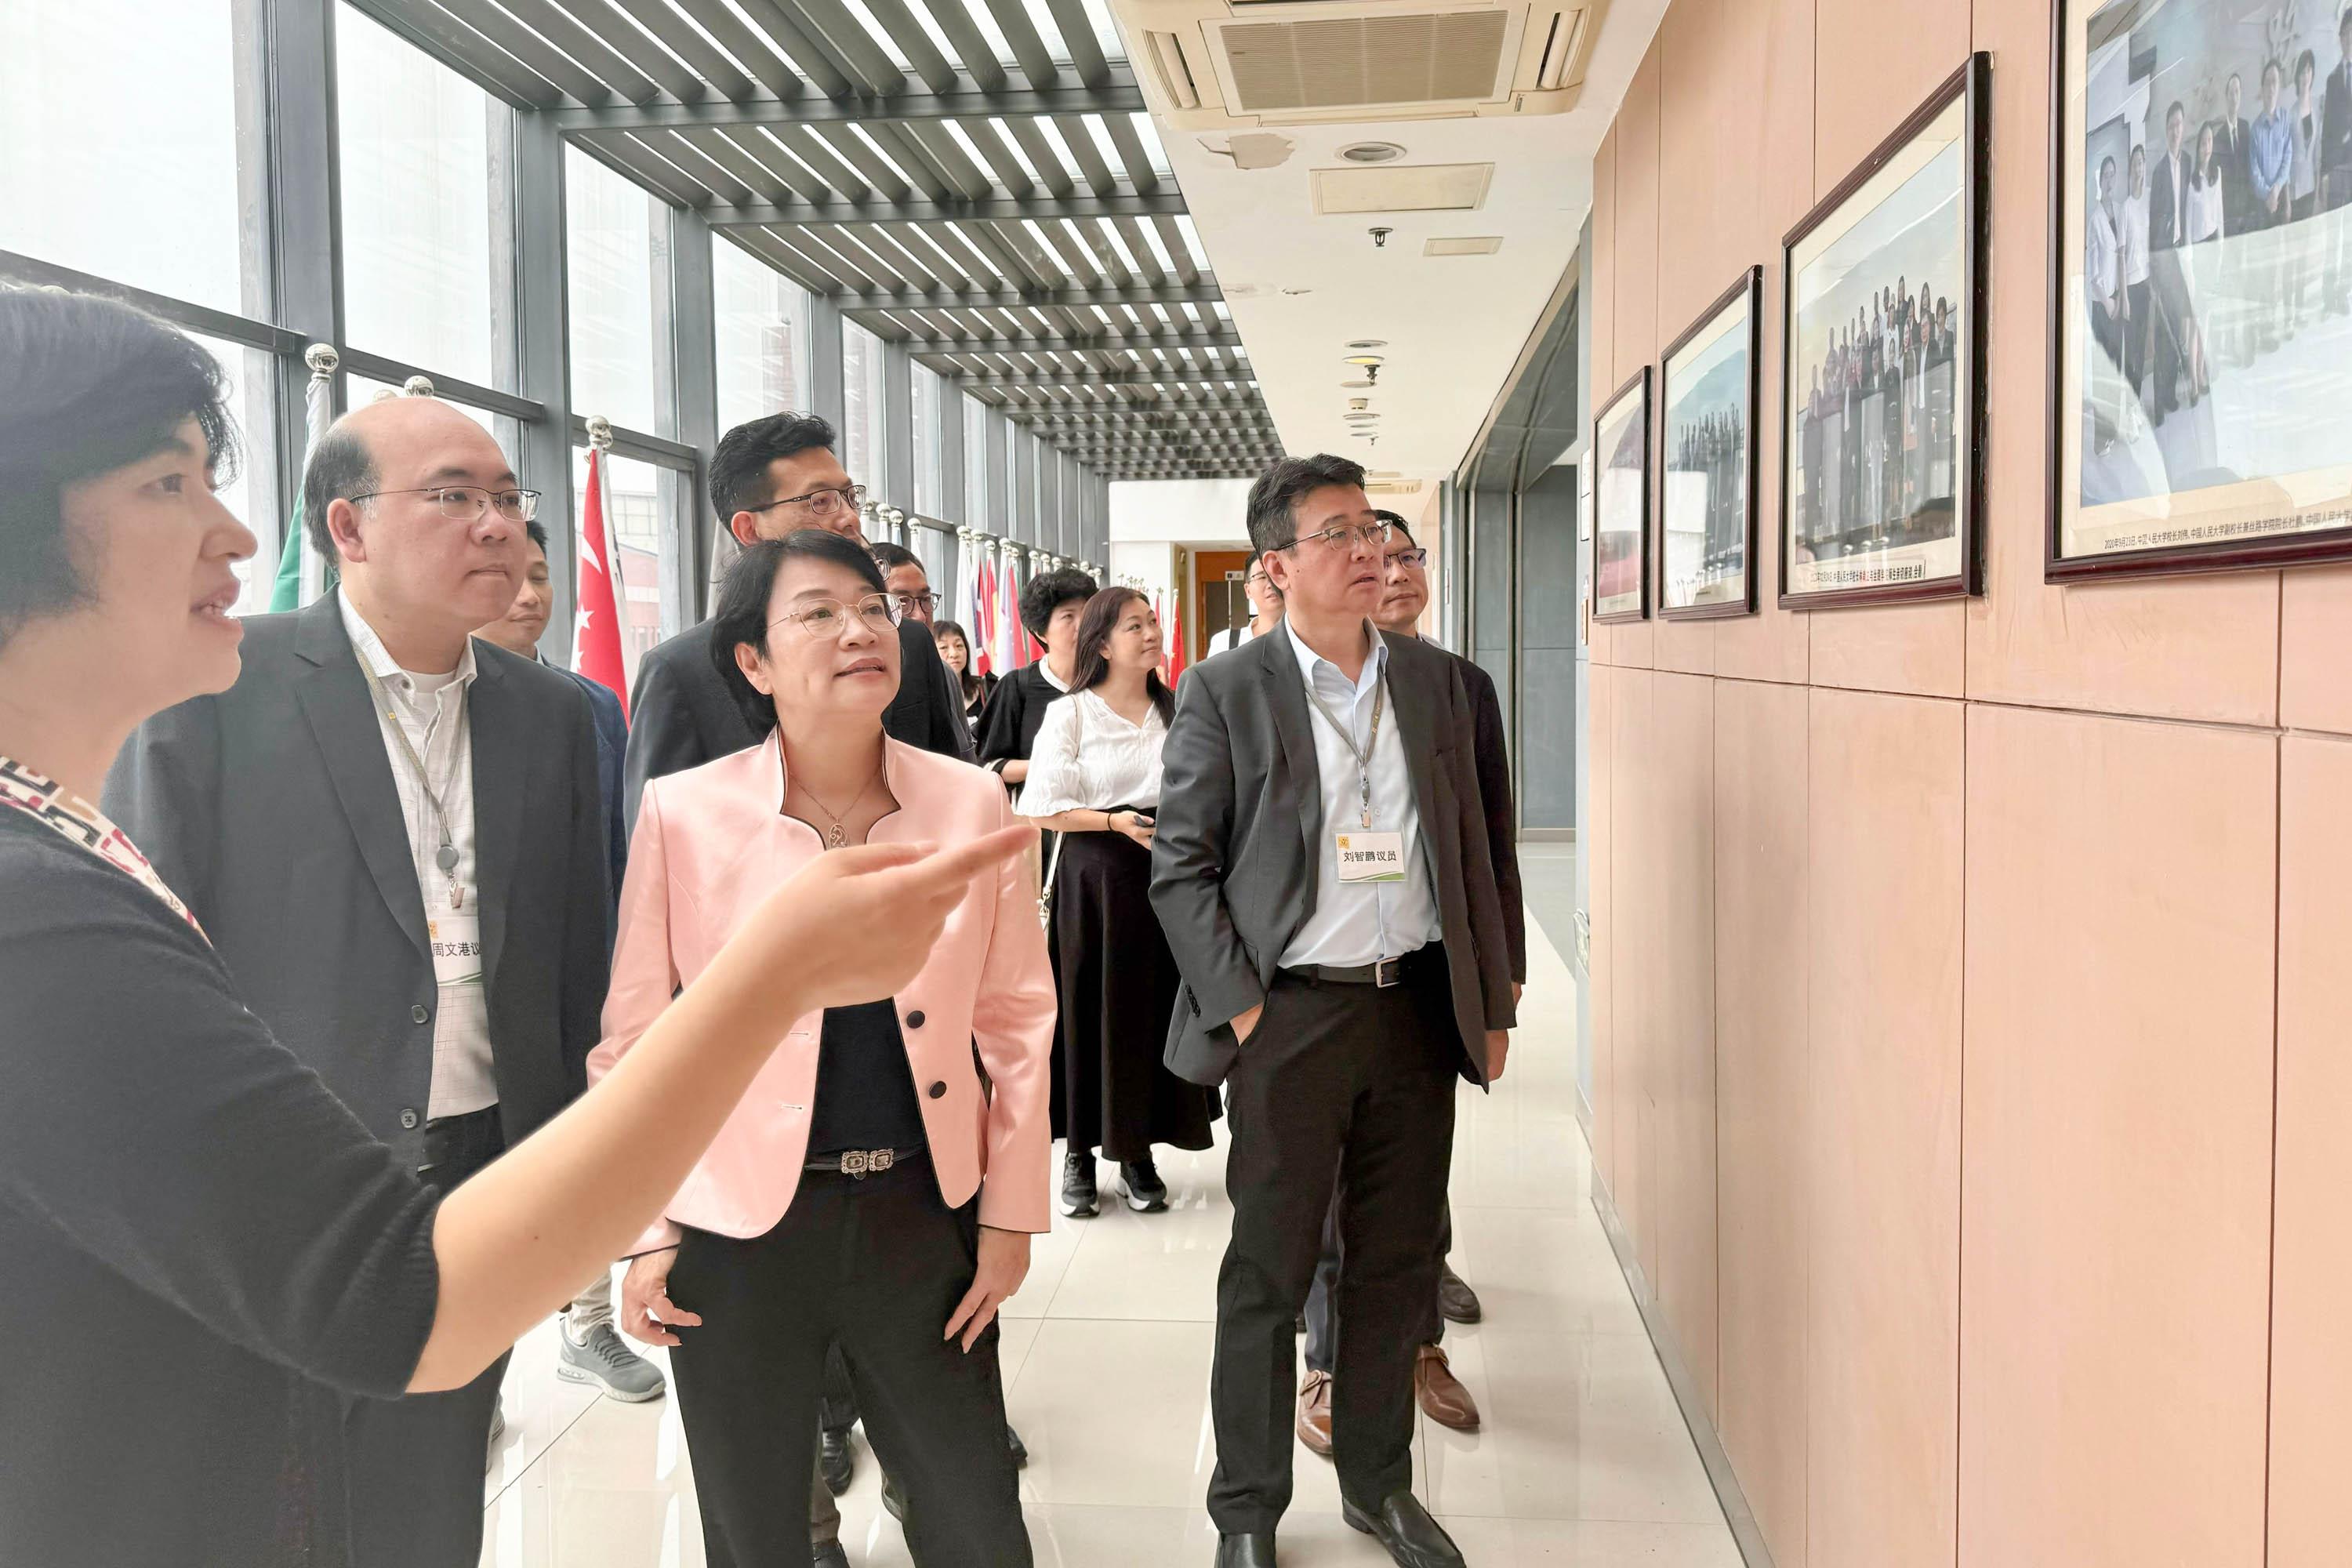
x=897 y=424
x=953 y=493
x=694 y=346
x=303 y=215
x=530 y=165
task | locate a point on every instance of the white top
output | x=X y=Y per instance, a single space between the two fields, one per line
x=1232 y=637
x=432 y=709
x=1361 y=922
x=2305 y=181
x=2135 y=235
x=2205 y=210
x=1087 y=758
x=2103 y=270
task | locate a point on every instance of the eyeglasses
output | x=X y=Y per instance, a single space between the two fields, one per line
x=1347 y=535
x=824 y=503
x=913 y=604
x=467 y=504
x=1416 y=556
x=826 y=618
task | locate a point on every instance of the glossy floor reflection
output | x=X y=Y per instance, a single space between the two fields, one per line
x=1584 y=1458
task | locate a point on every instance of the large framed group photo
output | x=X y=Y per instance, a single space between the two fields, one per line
x=2201 y=285
x=1881 y=449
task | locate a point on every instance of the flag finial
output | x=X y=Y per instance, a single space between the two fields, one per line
x=322 y=358
x=600 y=433
x=417 y=387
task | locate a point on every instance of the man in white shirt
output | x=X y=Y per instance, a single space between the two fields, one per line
x=1320 y=868
x=2139 y=319
x=1265 y=612
x=395 y=836
x=2103 y=280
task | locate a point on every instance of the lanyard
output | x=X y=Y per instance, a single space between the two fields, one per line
x=1363 y=754
x=445 y=857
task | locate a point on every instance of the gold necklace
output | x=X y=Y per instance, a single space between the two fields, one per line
x=839 y=834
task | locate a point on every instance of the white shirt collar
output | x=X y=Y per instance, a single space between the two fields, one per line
x=378 y=658
x=1055 y=681
x=1374 y=667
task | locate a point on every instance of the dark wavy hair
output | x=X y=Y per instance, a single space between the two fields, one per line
x=91 y=385
x=741 y=613
x=1048 y=592
x=1093 y=662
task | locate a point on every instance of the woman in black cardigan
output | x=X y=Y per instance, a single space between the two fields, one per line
x=208 y=1251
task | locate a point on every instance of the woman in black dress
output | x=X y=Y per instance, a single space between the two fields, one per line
x=973 y=688
x=1093 y=780
x=208 y=1248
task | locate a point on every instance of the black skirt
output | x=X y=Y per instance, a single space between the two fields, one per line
x=1118 y=984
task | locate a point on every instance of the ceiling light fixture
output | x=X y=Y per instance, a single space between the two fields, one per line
x=1369 y=343
x=1372 y=152
x=1367 y=361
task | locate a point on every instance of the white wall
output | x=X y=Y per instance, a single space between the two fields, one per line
x=1210 y=514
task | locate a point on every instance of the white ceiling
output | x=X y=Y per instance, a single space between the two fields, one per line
x=1301 y=287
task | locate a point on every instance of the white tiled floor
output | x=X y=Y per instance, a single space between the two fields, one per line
x=1583 y=1459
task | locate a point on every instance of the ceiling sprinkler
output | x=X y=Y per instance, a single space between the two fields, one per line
x=1380 y=233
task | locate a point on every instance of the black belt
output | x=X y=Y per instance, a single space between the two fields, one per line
x=864 y=1163
x=1388 y=971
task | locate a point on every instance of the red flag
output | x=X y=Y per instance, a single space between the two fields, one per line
x=596 y=633
x=984 y=620
x=1016 y=636
x=1174 y=634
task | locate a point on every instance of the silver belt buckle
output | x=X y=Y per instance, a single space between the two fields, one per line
x=863 y=1162
x=1388 y=971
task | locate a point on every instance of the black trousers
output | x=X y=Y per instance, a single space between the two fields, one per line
x=875 y=1265
x=1322 y=1340
x=416 y=1463
x=1355 y=1083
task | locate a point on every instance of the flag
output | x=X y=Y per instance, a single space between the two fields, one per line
x=1173 y=634
x=596 y=633
x=1015 y=636
x=984 y=612
x=303 y=573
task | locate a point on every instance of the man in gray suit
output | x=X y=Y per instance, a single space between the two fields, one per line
x=1321 y=869
x=395 y=837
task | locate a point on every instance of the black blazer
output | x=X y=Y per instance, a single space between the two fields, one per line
x=681 y=714
x=2335 y=125
x=1234 y=855
x=270 y=810
x=2168 y=222
x=1015 y=712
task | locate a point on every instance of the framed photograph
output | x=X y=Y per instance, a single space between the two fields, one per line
x=1621 y=504
x=1881 y=456
x=1707 y=459
x=2200 y=285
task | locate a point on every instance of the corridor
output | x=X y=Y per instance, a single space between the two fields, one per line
x=1583 y=1458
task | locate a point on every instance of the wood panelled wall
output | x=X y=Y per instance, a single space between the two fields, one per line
x=1966 y=1071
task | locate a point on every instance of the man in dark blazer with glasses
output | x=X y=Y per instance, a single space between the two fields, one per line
x=1321 y=869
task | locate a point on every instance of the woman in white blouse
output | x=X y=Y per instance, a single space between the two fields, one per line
x=1094 y=779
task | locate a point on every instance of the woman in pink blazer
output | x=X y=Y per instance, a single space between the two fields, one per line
x=872 y=1187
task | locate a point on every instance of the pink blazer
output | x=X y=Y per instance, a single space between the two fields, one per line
x=712 y=843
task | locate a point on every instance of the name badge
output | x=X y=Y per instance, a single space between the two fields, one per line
x=1370 y=857
x=456 y=938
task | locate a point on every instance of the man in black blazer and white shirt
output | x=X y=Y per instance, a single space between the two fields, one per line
x=395 y=835
x=1321 y=870
x=770 y=477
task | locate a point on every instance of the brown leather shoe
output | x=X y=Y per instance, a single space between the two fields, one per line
x=1443 y=1398
x=1315 y=1413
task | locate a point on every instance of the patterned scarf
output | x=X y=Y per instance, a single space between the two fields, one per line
x=53 y=805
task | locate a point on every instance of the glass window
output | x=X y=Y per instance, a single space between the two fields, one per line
x=863 y=418
x=609 y=255
x=414 y=140
x=975 y=462
x=119 y=146
x=762 y=318
x=929 y=391
x=507 y=432
x=252 y=490
x=633 y=514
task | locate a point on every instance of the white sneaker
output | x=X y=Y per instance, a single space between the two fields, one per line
x=607 y=1363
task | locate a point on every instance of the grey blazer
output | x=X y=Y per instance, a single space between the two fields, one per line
x=1234 y=861
x=270 y=810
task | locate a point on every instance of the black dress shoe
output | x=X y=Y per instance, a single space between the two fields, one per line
x=836 y=1460
x=1020 y=1449
x=1146 y=1192
x=1404 y=1527
x=1455 y=1299
x=1255 y=1550
x=1078 y=1185
x=827 y=1554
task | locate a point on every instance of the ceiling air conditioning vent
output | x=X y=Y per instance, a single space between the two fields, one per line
x=1218 y=65
x=1393 y=488
x=1464 y=245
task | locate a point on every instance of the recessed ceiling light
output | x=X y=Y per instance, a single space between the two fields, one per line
x=1369 y=343
x=1372 y=152
x=1367 y=361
